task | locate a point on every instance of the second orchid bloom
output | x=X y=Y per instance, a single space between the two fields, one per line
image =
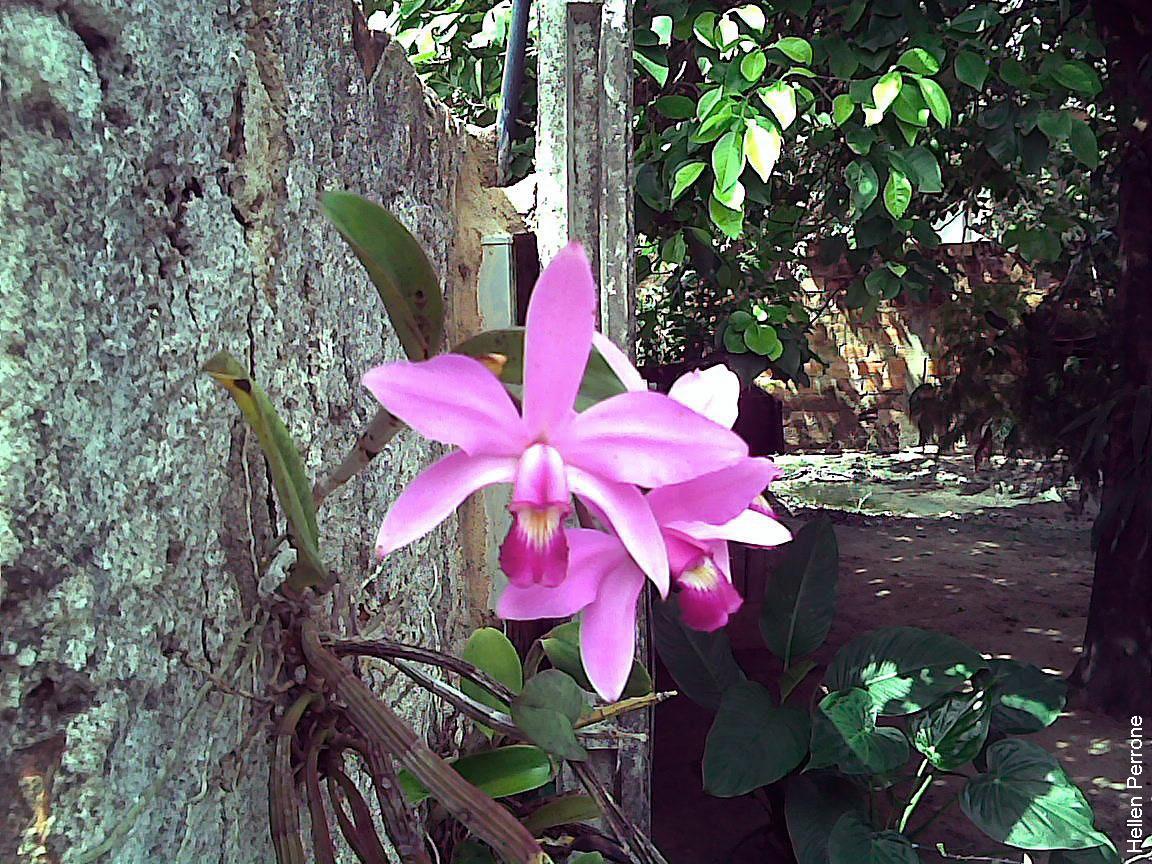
x=701 y=485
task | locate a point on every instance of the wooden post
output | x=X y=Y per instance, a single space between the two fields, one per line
x=584 y=193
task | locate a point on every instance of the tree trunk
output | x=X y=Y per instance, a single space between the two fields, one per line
x=1116 y=670
x=161 y=167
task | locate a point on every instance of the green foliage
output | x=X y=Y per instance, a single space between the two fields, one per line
x=500 y=773
x=865 y=121
x=562 y=647
x=800 y=597
x=490 y=651
x=545 y=711
x=753 y=742
x=885 y=693
x=293 y=488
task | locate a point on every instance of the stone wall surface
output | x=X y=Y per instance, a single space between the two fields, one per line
x=160 y=166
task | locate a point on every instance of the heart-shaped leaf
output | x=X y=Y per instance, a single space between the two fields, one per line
x=800 y=597
x=854 y=841
x=752 y=742
x=904 y=669
x=1026 y=800
x=845 y=734
x=952 y=732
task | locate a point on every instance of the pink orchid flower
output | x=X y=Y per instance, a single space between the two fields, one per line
x=546 y=450
x=697 y=518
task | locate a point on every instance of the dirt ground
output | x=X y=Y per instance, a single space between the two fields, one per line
x=998 y=557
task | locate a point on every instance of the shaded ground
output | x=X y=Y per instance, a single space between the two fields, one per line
x=992 y=557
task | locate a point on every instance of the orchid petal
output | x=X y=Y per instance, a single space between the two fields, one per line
x=648 y=439
x=713 y=392
x=619 y=363
x=592 y=555
x=452 y=399
x=436 y=492
x=750 y=527
x=608 y=631
x=628 y=513
x=716 y=497
x=558 y=339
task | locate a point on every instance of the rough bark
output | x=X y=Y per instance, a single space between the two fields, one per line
x=1117 y=665
x=161 y=167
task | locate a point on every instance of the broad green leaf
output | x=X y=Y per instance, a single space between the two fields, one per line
x=937 y=101
x=1026 y=800
x=1104 y=854
x=752 y=742
x=562 y=646
x=753 y=66
x=800 y=596
x=842 y=109
x=546 y=709
x=727 y=33
x=752 y=15
x=1024 y=698
x=729 y=221
x=719 y=122
x=662 y=27
x=490 y=651
x=503 y=351
x=860 y=141
x=762 y=149
x=674 y=249
x=1013 y=73
x=654 y=61
x=499 y=773
x=734 y=341
x=781 y=101
x=700 y=663
x=1080 y=77
x=728 y=160
x=841 y=59
x=562 y=810
x=704 y=27
x=897 y=193
x=793 y=676
x=872 y=116
x=1057 y=125
x=708 y=102
x=952 y=732
x=882 y=282
x=910 y=107
x=925 y=169
x=854 y=841
x=1083 y=142
x=813 y=804
x=863 y=183
x=971 y=69
x=885 y=91
x=288 y=478
x=397 y=266
x=763 y=339
x=587 y=858
x=919 y=61
x=686 y=175
x=795 y=49
x=845 y=734
x=905 y=669
x=740 y=320
x=676 y=107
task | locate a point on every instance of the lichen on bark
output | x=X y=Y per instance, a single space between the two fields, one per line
x=158 y=202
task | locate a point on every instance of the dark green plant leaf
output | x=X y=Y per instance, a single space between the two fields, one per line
x=686 y=175
x=293 y=488
x=728 y=160
x=1103 y=854
x=397 y=266
x=676 y=107
x=937 y=101
x=925 y=169
x=952 y=732
x=1080 y=77
x=546 y=709
x=473 y=852
x=904 y=669
x=897 y=193
x=1083 y=142
x=813 y=804
x=700 y=663
x=1026 y=800
x=505 y=349
x=800 y=597
x=845 y=734
x=753 y=66
x=795 y=49
x=729 y=221
x=854 y=841
x=587 y=858
x=489 y=650
x=971 y=69
x=919 y=61
x=1024 y=698
x=793 y=676
x=752 y=742
x=864 y=183
x=499 y=773
x=562 y=810
x=562 y=646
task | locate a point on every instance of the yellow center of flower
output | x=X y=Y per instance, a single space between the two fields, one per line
x=539 y=524
x=703 y=576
